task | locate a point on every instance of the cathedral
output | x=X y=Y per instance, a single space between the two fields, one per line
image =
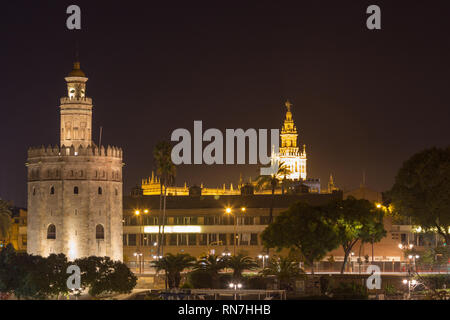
x=75 y=189
x=290 y=157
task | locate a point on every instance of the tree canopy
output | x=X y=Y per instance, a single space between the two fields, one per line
x=355 y=220
x=304 y=227
x=422 y=190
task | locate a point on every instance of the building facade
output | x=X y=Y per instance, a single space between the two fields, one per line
x=75 y=189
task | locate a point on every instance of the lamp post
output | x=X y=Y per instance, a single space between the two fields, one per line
x=235 y=286
x=140 y=242
x=404 y=248
x=263 y=256
x=412 y=284
x=228 y=211
x=138 y=256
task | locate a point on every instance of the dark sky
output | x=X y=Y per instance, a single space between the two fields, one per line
x=363 y=100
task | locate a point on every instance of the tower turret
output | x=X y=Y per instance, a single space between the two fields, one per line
x=76 y=111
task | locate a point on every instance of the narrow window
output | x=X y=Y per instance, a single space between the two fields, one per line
x=75 y=190
x=100 y=191
x=51 y=232
x=52 y=190
x=99 y=232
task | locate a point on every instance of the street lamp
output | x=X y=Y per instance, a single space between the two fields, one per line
x=228 y=211
x=412 y=284
x=263 y=256
x=235 y=286
x=140 y=242
x=138 y=256
x=226 y=253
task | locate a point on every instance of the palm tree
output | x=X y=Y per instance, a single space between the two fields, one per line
x=285 y=269
x=166 y=171
x=265 y=181
x=173 y=265
x=239 y=263
x=5 y=220
x=211 y=264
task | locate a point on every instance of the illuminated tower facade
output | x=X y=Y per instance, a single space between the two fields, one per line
x=289 y=154
x=75 y=189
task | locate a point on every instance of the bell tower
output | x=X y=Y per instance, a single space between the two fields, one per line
x=76 y=111
x=290 y=155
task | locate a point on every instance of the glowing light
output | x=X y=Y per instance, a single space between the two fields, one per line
x=228 y=210
x=174 y=229
x=137 y=212
x=243 y=209
x=146 y=211
x=400 y=246
x=405 y=281
x=378 y=205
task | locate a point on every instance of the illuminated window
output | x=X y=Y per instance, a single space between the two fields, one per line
x=51 y=232
x=99 y=232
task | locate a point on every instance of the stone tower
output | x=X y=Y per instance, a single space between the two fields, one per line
x=75 y=189
x=289 y=154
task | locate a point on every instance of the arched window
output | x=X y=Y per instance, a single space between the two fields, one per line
x=117 y=192
x=51 y=232
x=99 y=232
x=75 y=190
x=34 y=191
x=100 y=191
x=52 y=190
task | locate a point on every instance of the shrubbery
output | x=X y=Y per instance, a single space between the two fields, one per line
x=35 y=277
x=349 y=291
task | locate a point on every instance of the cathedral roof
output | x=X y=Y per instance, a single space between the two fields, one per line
x=76 y=72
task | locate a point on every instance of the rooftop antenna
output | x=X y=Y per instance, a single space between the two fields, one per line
x=100 y=137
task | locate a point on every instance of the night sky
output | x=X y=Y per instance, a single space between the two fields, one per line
x=362 y=100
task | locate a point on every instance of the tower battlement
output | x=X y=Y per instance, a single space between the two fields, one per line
x=76 y=100
x=94 y=151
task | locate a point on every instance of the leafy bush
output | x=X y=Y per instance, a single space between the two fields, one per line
x=435 y=281
x=390 y=290
x=256 y=283
x=199 y=279
x=349 y=291
x=225 y=279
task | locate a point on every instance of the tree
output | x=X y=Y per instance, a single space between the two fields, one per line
x=103 y=275
x=272 y=181
x=421 y=190
x=305 y=228
x=5 y=220
x=173 y=265
x=8 y=270
x=285 y=269
x=239 y=263
x=355 y=220
x=57 y=274
x=165 y=169
x=211 y=264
